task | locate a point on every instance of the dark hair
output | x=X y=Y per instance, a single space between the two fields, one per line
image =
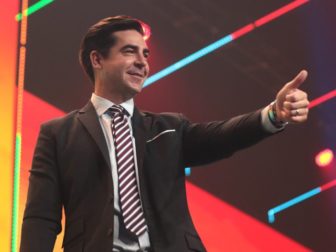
x=100 y=37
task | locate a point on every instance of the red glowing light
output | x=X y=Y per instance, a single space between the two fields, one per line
x=147 y=30
x=324 y=158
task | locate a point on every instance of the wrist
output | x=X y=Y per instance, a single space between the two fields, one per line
x=274 y=117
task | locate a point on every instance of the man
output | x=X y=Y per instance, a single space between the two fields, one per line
x=119 y=172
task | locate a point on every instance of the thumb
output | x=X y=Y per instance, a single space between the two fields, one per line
x=297 y=81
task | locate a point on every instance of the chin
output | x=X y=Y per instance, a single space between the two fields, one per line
x=136 y=87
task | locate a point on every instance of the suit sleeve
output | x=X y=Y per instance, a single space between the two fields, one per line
x=208 y=142
x=43 y=212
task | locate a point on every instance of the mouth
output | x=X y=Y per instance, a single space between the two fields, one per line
x=136 y=74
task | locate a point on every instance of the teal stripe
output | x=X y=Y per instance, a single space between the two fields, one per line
x=189 y=59
x=294 y=201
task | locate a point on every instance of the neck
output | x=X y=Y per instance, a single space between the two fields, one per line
x=116 y=99
x=114 y=96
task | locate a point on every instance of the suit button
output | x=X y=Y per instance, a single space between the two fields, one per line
x=111 y=198
x=110 y=232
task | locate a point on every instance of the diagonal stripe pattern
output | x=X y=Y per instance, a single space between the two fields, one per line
x=129 y=196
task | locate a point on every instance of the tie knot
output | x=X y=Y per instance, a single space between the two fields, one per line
x=117 y=110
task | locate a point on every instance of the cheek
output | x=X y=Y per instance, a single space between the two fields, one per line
x=116 y=70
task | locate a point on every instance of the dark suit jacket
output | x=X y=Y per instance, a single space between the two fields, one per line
x=71 y=168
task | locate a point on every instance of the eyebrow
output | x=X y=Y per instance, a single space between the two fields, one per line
x=134 y=47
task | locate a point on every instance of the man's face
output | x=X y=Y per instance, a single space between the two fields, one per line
x=125 y=69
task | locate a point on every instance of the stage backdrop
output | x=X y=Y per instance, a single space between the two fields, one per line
x=271 y=197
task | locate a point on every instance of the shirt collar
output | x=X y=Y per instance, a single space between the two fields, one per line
x=102 y=104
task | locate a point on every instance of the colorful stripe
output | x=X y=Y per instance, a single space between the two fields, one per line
x=18 y=140
x=187 y=171
x=33 y=8
x=16 y=191
x=223 y=41
x=272 y=212
x=322 y=98
x=8 y=66
x=189 y=59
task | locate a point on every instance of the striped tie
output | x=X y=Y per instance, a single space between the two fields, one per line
x=131 y=209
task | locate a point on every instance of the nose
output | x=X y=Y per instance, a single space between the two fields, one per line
x=141 y=62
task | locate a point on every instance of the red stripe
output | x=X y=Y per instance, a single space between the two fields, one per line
x=242 y=31
x=328 y=185
x=322 y=99
x=279 y=12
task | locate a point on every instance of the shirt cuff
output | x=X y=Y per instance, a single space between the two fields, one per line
x=267 y=124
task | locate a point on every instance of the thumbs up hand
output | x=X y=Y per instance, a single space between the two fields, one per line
x=291 y=102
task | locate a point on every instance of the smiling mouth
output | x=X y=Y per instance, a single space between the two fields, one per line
x=136 y=78
x=139 y=75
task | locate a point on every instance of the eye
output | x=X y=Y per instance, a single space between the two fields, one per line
x=129 y=51
x=146 y=55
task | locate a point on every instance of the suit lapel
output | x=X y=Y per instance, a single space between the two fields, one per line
x=88 y=117
x=140 y=125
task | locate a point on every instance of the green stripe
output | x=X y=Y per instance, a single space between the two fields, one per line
x=33 y=8
x=16 y=192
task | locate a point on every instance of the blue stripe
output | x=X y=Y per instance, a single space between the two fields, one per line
x=189 y=59
x=187 y=171
x=296 y=200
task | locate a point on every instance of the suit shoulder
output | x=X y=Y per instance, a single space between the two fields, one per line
x=60 y=121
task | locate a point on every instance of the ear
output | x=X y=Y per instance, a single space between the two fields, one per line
x=96 y=59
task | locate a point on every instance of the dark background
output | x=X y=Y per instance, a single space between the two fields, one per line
x=240 y=77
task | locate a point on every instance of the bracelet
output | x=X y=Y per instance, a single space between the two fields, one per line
x=272 y=116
